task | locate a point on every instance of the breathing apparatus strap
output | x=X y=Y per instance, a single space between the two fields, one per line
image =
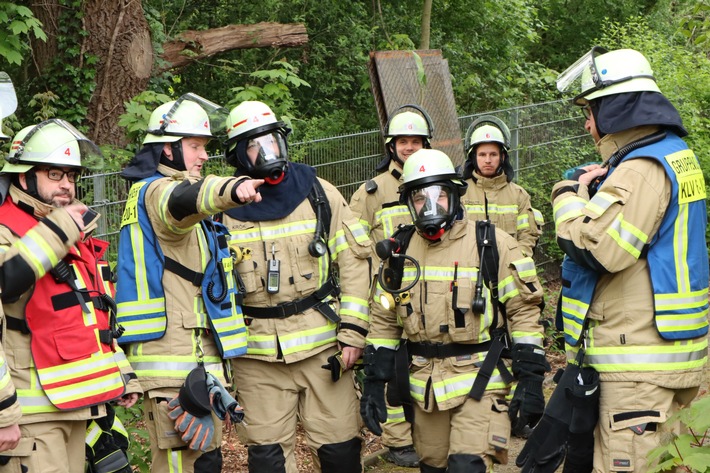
x=488 y=273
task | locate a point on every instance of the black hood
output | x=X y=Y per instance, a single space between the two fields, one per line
x=144 y=163
x=619 y=112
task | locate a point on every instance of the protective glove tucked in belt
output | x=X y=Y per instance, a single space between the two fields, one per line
x=379 y=369
x=192 y=412
x=529 y=366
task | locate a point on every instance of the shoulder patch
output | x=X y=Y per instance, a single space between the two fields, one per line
x=370 y=186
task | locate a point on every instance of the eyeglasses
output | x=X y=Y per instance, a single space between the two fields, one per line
x=56 y=174
x=587 y=111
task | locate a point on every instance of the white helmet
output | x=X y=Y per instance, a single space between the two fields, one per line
x=190 y=115
x=252 y=127
x=52 y=142
x=601 y=73
x=407 y=124
x=432 y=191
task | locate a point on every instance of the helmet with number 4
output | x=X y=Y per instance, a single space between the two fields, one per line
x=432 y=190
x=51 y=143
x=256 y=142
x=177 y=119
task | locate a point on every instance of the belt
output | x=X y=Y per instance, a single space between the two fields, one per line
x=287 y=309
x=445 y=350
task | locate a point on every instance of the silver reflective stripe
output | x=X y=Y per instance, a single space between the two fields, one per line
x=304 y=341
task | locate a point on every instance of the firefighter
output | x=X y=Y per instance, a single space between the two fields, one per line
x=492 y=194
x=376 y=204
x=305 y=304
x=635 y=275
x=60 y=331
x=468 y=300
x=167 y=275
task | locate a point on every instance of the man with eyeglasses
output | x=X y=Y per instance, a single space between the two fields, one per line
x=634 y=302
x=59 y=332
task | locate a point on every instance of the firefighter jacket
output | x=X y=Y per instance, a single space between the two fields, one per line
x=376 y=204
x=278 y=334
x=60 y=360
x=30 y=257
x=507 y=206
x=175 y=206
x=643 y=234
x=141 y=300
x=439 y=312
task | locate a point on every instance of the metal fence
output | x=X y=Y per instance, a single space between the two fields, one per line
x=546 y=139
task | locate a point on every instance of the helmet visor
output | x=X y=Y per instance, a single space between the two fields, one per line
x=433 y=203
x=216 y=113
x=265 y=149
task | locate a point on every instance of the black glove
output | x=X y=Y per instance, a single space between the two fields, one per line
x=546 y=447
x=372 y=405
x=379 y=368
x=528 y=403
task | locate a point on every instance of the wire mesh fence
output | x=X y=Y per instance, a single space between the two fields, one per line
x=546 y=139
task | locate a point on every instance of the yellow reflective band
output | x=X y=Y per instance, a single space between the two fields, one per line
x=507 y=289
x=539 y=219
x=338 y=243
x=207 y=203
x=163 y=208
x=522 y=222
x=567 y=209
x=388 y=343
x=674 y=357
x=308 y=339
x=355 y=307
x=600 y=203
x=628 y=237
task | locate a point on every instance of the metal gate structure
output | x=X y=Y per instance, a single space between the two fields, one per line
x=546 y=139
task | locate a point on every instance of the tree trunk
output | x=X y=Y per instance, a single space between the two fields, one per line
x=118 y=35
x=195 y=45
x=426 y=25
x=120 y=38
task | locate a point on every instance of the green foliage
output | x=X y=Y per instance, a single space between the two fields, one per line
x=72 y=74
x=138 y=111
x=17 y=24
x=688 y=452
x=44 y=105
x=273 y=87
x=139 y=454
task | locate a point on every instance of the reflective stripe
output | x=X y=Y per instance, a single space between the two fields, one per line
x=677 y=357
x=338 y=243
x=574 y=313
x=395 y=415
x=355 y=307
x=308 y=339
x=525 y=267
x=4 y=374
x=168 y=367
x=261 y=345
x=600 y=203
x=93 y=432
x=388 y=217
x=627 y=236
x=507 y=289
x=390 y=344
x=522 y=222
x=528 y=338
x=36 y=250
x=567 y=209
x=539 y=219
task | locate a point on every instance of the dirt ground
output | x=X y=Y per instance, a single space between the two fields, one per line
x=235 y=455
